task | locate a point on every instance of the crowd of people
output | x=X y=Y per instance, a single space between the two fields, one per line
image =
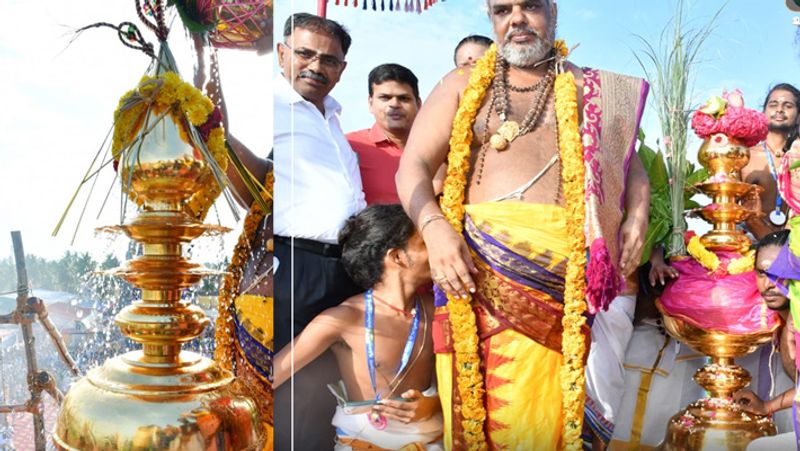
x=377 y=230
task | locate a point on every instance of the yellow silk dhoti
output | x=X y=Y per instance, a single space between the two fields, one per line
x=521 y=251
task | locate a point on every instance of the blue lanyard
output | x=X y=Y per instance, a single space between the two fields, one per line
x=778 y=199
x=369 y=338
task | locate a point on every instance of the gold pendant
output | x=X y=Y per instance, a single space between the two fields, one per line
x=509 y=130
x=498 y=142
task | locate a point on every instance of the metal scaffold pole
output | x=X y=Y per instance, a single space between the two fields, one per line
x=35 y=403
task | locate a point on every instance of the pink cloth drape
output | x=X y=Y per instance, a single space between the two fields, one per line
x=717 y=301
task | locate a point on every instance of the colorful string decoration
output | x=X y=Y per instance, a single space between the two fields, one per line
x=242 y=24
x=154 y=9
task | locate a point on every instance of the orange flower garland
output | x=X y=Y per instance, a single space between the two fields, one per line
x=573 y=346
x=470 y=381
x=462 y=318
x=168 y=94
x=711 y=262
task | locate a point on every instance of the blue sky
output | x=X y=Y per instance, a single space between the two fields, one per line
x=751 y=49
x=58 y=103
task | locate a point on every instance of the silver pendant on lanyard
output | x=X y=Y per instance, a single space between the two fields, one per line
x=777 y=217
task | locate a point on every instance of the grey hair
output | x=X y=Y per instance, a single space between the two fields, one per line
x=488 y=10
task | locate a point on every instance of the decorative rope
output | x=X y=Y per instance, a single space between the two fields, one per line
x=409 y=6
x=128 y=34
x=156 y=9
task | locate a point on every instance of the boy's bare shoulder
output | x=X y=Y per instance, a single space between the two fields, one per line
x=348 y=311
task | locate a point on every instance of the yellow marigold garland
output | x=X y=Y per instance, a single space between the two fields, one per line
x=168 y=93
x=470 y=381
x=225 y=334
x=711 y=262
x=573 y=344
x=462 y=318
x=745 y=263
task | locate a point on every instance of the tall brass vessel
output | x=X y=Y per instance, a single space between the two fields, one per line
x=716 y=422
x=159 y=397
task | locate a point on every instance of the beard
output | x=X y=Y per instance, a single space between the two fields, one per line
x=526 y=55
x=784 y=128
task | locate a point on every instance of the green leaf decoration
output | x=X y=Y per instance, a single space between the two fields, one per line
x=658 y=175
x=646 y=154
x=656 y=234
x=696 y=177
x=691 y=205
x=661 y=203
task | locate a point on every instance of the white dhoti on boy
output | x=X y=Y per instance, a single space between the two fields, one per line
x=356 y=429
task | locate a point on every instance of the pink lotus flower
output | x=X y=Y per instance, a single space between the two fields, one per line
x=734 y=98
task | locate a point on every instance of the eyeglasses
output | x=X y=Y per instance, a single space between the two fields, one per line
x=310 y=56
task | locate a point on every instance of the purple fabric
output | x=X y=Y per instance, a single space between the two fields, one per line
x=533 y=275
x=542 y=273
x=508 y=263
x=785 y=267
x=717 y=301
x=796 y=428
x=439 y=297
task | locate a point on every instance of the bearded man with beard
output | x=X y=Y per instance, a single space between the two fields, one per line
x=513 y=256
x=780 y=107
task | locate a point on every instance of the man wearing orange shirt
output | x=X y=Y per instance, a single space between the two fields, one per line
x=394 y=101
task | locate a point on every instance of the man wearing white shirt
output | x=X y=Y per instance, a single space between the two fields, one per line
x=317 y=188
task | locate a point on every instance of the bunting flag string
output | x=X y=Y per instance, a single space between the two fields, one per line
x=409 y=6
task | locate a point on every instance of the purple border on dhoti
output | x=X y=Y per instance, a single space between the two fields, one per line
x=516 y=277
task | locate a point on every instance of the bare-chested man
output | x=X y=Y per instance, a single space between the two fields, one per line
x=781 y=110
x=381 y=338
x=513 y=255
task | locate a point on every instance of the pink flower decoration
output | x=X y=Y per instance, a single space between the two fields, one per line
x=704 y=125
x=748 y=125
x=745 y=124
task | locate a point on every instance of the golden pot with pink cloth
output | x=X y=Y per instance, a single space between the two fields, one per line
x=714 y=305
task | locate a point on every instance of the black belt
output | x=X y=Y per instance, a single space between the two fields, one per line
x=316 y=247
